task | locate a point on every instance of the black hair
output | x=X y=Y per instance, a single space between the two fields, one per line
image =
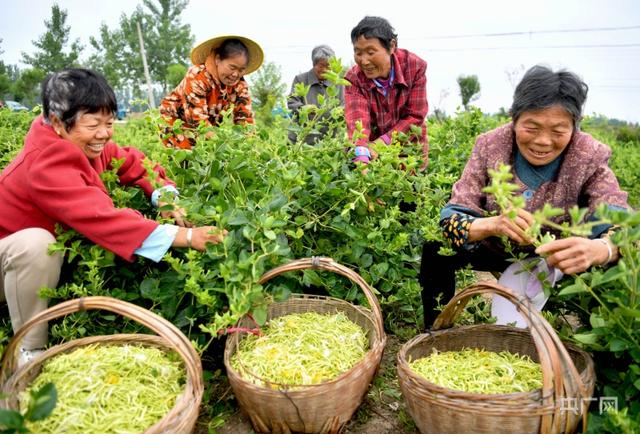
x=230 y=48
x=375 y=27
x=71 y=92
x=542 y=88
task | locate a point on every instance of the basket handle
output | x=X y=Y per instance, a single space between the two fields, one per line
x=163 y=328
x=554 y=357
x=323 y=263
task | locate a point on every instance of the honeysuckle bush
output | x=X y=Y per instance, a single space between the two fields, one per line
x=13 y=126
x=607 y=304
x=281 y=201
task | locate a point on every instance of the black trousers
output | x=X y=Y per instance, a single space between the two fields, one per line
x=438 y=273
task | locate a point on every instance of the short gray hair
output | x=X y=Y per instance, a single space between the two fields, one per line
x=68 y=93
x=321 y=52
x=542 y=88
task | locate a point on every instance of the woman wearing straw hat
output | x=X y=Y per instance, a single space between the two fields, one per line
x=213 y=85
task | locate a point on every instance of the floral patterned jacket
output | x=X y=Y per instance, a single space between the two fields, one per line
x=583 y=178
x=201 y=97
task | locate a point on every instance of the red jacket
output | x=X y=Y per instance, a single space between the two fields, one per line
x=52 y=181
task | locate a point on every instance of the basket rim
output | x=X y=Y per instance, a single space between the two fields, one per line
x=185 y=410
x=327 y=264
x=378 y=345
x=402 y=361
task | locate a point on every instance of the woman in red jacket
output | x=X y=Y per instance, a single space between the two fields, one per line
x=56 y=179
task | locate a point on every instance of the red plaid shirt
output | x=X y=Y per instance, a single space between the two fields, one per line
x=405 y=103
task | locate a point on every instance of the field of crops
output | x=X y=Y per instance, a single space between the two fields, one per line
x=281 y=201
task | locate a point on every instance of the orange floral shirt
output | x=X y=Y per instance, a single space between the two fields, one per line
x=201 y=97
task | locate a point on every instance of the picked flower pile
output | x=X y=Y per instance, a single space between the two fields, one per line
x=109 y=389
x=480 y=371
x=301 y=349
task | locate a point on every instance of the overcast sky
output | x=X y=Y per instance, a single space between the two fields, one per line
x=493 y=39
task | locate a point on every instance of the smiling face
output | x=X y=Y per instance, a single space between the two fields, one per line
x=542 y=135
x=373 y=59
x=90 y=132
x=231 y=69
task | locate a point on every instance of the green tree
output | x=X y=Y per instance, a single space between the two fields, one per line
x=167 y=41
x=117 y=52
x=175 y=74
x=266 y=89
x=50 y=55
x=267 y=86
x=469 y=89
x=27 y=86
x=5 y=80
x=110 y=60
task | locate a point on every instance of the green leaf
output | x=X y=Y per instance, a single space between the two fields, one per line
x=618 y=345
x=260 y=315
x=611 y=274
x=149 y=288
x=277 y=203
x=270 y=234
x=11 y=419
x=578 y=287
x=597 y=321
x=237 y=218
x=43 y=402
x=586 y=338
x=627 y=311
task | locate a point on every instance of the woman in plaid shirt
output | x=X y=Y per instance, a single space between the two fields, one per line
x=388 y=91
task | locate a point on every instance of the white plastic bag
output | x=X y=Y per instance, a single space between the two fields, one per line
x=524 y=283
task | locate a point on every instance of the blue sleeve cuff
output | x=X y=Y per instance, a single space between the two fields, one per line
x=362 y=151
x=158 y=191
x=600 y=230
x=158 y=242
x=452 y=208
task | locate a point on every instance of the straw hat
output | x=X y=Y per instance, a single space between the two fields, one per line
x=201 y=51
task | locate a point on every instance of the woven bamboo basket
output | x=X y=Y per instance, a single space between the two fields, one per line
x=180 y=419
x=567 y=374
x=324 y=407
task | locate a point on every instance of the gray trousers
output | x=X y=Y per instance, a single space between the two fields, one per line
x=25 y=267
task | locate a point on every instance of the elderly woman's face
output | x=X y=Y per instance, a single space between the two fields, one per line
x=321 y=67
x=373 y=59
x=542 y=135
x=90 y=132
x=231 y=69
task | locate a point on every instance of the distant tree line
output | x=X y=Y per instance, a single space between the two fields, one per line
x=116 y=53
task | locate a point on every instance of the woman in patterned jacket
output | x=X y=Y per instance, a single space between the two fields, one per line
x=213 y=85
x=552 y=162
